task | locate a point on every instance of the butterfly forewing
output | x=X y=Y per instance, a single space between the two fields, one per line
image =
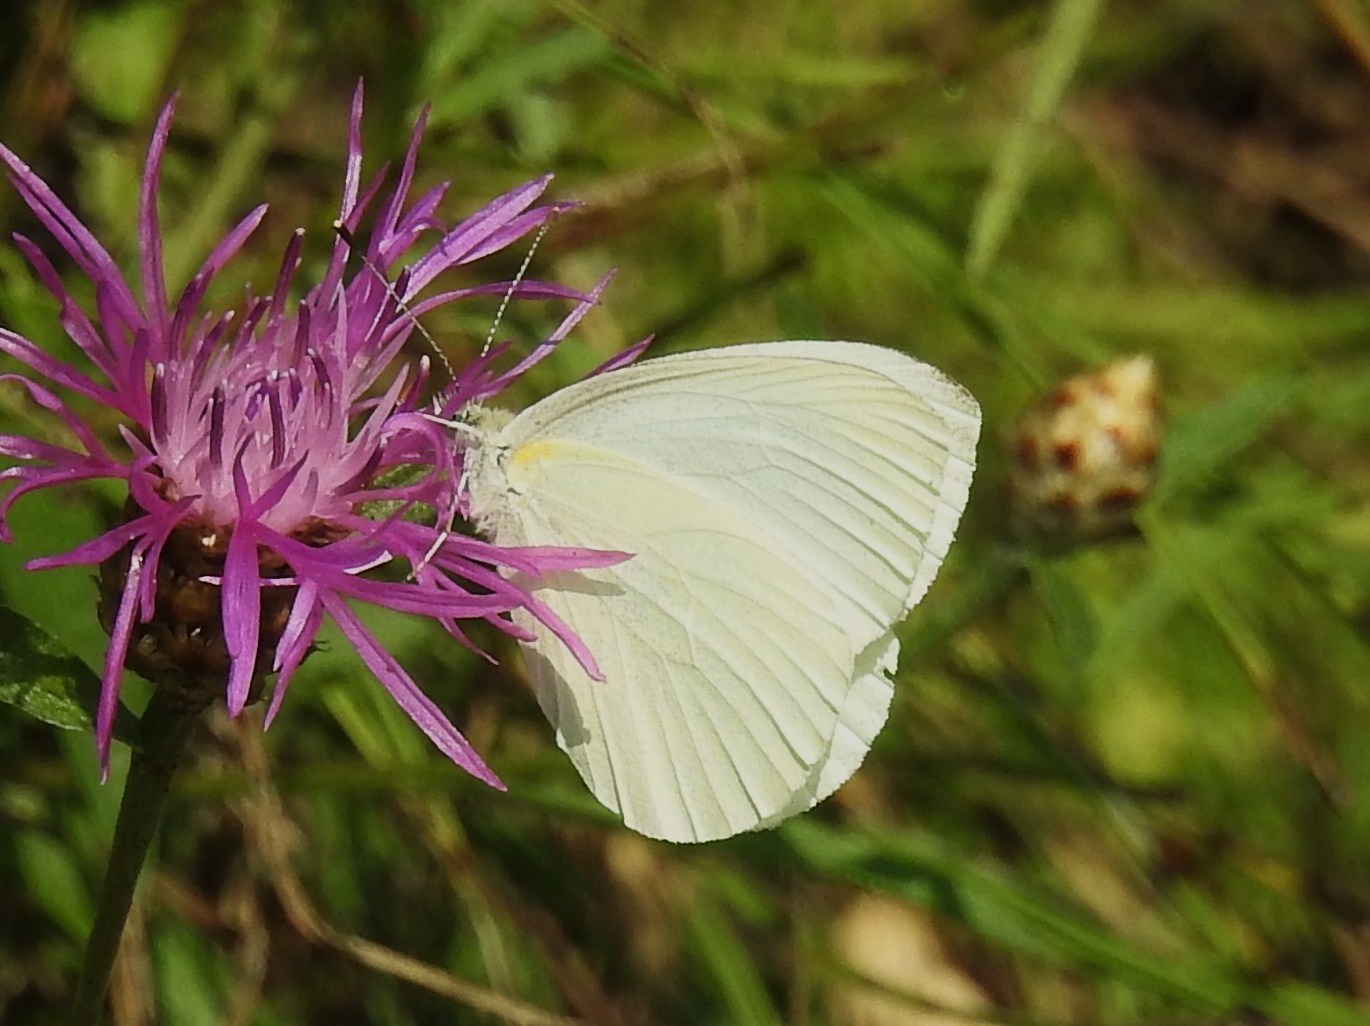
x=786 y=504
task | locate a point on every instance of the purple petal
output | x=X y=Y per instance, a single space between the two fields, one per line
x=543 y=349
x=194 y=292
x=97 y=550
x=541 y=612
x=32 y=480
x=306 y=616
x=419 y=219
x=515 y=230
x=114 y=663
x=418 y=706
x=623 y=358
x=50 y=402
x=536 y=560
x=472 y=232
x=65 y=227
x=525 y=290
x=290 y=263
x=149 y=232
x=241 y=601
x=390 y=213
x=353 y=175
x=256 y=508
x=72 y=318
x=58 y=372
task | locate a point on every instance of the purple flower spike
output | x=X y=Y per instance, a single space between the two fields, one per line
x=256 y=439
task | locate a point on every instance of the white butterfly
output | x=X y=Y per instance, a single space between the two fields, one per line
x=787 y=504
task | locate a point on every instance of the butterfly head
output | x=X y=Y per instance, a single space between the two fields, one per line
x=484 y=459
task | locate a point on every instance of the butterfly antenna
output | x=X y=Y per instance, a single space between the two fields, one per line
x=346 y=235
x=484 y=351
x=350 y=240
x=513 y=286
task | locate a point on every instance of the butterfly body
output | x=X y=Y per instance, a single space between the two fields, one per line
x=785 y=504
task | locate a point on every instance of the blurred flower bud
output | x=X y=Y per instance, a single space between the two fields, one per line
x=1082 y=458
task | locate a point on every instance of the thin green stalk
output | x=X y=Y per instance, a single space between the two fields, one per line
x=166 y=727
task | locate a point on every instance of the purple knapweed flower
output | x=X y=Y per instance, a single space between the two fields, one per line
x=258 y=442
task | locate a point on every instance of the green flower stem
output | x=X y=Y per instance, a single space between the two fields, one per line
x=165 y=729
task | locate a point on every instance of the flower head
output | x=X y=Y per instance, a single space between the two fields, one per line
x=255 y=440
x=1084 y=457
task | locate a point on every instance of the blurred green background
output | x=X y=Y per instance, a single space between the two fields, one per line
x=1124 y=781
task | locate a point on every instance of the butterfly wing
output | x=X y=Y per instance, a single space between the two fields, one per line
x=787 y=504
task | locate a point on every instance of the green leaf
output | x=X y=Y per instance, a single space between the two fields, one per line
x=1199 y=445
x=1068 y=610
x=494 y=82
x=798 y=69
x=53 y=880
x=190 y=975
x=1072 y=23
x=120 y=54
x=1297 y=1002
x=40 y=676
x=732 y=971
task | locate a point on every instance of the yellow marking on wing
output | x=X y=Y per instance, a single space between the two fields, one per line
x=533 y=452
